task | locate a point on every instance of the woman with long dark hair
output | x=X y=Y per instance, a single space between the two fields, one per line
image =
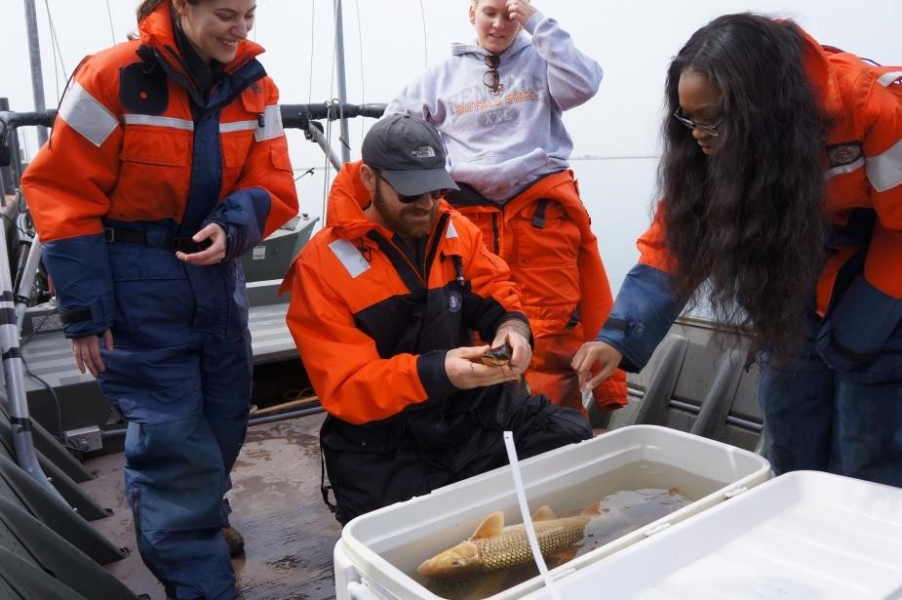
x=782 y=208
x=167 y=161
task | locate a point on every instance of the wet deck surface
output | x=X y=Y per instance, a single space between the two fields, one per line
x=289 y=533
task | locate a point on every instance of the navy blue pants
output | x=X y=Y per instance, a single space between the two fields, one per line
x=187 y=408
x=848 y=423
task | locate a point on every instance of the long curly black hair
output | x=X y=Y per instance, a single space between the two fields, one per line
x=744 y=224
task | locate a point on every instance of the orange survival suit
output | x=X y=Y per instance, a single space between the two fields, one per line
x=140 y=158
x=373 y=327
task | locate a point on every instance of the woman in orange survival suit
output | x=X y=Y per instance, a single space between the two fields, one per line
x=167 y=161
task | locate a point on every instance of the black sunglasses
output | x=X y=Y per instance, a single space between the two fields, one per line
x=492 y=79
x=435 y=195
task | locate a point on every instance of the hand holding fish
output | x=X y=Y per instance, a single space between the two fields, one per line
x=511 y=343
x=607 y=357
x=466 y=369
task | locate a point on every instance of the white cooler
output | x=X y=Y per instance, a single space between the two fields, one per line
x=802 y=536
x=378 y=550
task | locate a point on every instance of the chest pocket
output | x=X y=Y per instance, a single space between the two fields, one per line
x=154 y=172
x=154 y=145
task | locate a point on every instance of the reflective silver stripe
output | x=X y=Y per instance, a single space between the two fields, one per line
x=86 y=115
x=272 y=124
x=350 y=257
x=155 y=121
x=238 y=126
x=853 y=166
x=885 y=171
x=888 y=78
x=452 y=232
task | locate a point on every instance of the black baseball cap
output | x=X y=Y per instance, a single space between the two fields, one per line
x=409 y=154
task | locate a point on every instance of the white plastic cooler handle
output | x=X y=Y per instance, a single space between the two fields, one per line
x=361 y=591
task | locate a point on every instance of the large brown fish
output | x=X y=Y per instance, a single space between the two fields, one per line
x=494 y=547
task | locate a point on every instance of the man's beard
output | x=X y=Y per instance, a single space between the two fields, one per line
x=408 y=222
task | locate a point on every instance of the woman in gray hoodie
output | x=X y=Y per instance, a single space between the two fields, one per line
x=498 y=103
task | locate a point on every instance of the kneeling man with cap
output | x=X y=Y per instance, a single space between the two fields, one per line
x=384 y=303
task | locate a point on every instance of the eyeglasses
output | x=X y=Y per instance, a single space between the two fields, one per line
x=704 y=128
x=492 y=79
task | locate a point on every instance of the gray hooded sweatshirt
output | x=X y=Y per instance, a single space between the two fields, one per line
x=500 y=143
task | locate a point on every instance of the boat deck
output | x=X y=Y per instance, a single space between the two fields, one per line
x=277 y=506
x=289 y=532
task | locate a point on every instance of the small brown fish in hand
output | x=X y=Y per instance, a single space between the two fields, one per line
x=499 y=356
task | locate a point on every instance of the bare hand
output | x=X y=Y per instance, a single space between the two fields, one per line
x=607 y=357
x=466 y=375
x=521 y=355
x=87 y=352
x=520 y=11
x=209 y=256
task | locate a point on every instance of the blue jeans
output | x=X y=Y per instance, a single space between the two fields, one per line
x=818 y=418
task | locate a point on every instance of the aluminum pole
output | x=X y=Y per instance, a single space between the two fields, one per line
x=14 y=369
x=340 y=75
x=37 y=74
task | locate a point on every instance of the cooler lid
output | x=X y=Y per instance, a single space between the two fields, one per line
x=803 y=535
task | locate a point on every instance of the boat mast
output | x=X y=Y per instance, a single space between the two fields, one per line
x=340 y=75
x=37 y=75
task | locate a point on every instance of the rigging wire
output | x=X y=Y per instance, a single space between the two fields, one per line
x=327 y=168
x=312 y=46
x=255 y=30
x=362 y=68
x=109 y=15
x=425 y=45
x=57 y=51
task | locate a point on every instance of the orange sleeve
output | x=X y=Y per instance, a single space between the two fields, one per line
x=342 y=362
x=68 y=183
x=652 y=249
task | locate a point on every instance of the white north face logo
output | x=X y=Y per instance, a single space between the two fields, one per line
x=423 y=152
x=455 y=301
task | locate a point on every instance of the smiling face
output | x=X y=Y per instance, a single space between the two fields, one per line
x=410 y=221
x=216 y=27
x=495 y=31
x=700 y=102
